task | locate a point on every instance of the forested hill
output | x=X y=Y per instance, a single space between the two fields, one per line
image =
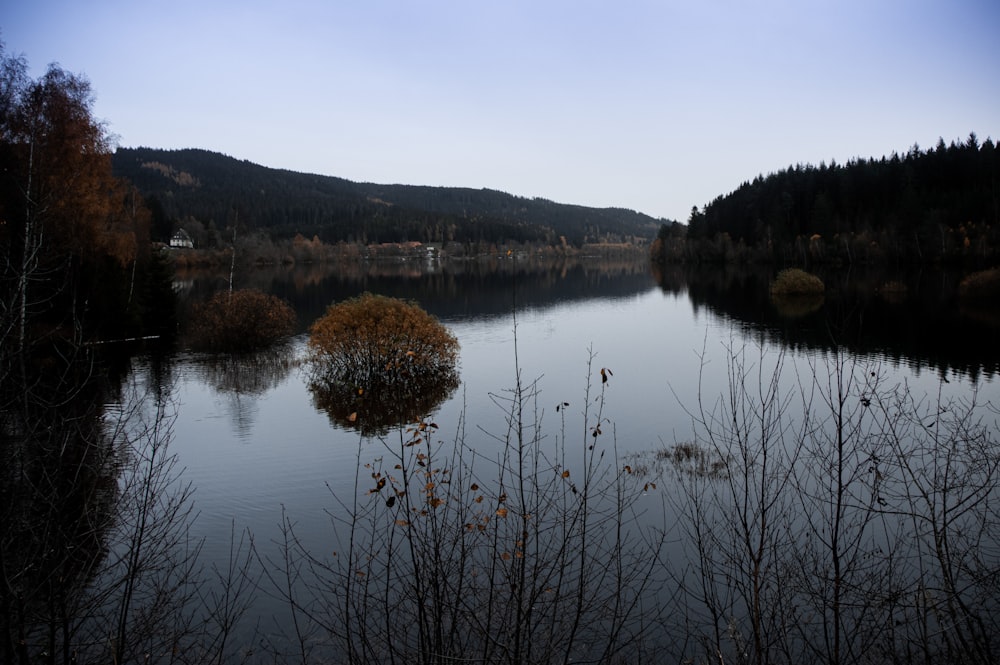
x=218 y=191
x=941 y=204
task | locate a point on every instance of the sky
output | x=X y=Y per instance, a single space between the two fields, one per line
x=653 y=105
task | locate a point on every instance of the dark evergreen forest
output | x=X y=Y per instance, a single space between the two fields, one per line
x=222 y=192
x=940 y=205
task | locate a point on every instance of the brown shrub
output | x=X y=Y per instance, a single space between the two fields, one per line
x=240 y=321
x=795 y=282
x=378 y=362
x=981 y=287
x=375 y=340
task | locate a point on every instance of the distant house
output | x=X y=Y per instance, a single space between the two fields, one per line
x=181 y=239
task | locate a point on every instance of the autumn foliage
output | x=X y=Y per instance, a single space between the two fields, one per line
x=374 y=340
x=982 y=286
x=240 y=321
x=795 y=282
x=375 y=359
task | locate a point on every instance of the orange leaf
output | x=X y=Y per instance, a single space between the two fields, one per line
x=402 y=523
x=565 y=474
x=501 y=512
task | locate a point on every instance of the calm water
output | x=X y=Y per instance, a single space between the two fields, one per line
x=254 y=445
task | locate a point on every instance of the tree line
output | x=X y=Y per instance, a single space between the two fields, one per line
x=88 y=507
x=74 y=239
x=940 y=205
x=199 y=187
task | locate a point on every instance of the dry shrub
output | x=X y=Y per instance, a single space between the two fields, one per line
x=982 y=286
x=374 y=341
x=240 y=322
x=795 y=282
x=378 y=361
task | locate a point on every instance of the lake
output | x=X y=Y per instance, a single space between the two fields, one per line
x=259 y=453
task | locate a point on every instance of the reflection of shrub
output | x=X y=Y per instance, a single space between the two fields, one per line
x=378 y=361
x=376 y=411
x=982 y=286
x=241 y=321
x=796 y=306
x=795 y=282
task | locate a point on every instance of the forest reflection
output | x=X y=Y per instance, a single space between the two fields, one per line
x=467 y=289
x=242 y=378
x=909 y=317
x=93 y=556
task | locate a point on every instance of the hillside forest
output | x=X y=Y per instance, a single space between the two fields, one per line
x=936 y=206
x=207 y=193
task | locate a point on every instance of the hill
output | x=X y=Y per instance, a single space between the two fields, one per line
x=927 y=206
x=218 y=190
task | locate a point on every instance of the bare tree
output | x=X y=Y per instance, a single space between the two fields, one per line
x=855 y=525
x=532 y=552
x=941 y=480
x=738 y=519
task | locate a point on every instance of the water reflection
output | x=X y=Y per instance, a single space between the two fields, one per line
x=912 y=318
x=246 y=374
x=648 y=339
x=375 y=411
x=59 y=494
x=454 y=290
x=796 y=306
x=243 y=378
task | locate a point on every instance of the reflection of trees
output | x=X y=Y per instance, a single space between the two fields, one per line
x=242 y=378
x=57 y=497
x=671 y=277
x=96 y=564
x=90 y=558
x=443 y=287
x=247 y=373
x=923 y=325
x=380 y=408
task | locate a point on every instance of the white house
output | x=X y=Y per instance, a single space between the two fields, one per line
x=181 y=239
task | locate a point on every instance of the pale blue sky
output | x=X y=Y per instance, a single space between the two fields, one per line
x=656 y=106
